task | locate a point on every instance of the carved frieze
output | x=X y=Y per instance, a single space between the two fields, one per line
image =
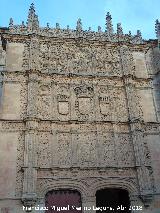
x=71 y=57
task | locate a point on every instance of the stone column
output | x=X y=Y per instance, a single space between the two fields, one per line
x=89 y=204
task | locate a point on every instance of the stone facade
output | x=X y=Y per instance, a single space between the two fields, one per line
x=79 y=110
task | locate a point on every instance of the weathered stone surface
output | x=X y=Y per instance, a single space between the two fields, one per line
x=80 y=110
x=14 y=59
x=11 y=106
x=8 y=157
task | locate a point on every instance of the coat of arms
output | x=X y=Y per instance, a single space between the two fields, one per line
x=104 y=105
x=63 y=107
x=84 y=104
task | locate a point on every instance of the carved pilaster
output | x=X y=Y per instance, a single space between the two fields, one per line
x=30 y=163
x=135 y=116
x=143 y=170
x=32 y=95
x=31 y=133
x=34 y=63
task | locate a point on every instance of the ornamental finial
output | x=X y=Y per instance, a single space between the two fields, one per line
x=139 y=34
x=89 y=29
x=99 y=29
x=109 y=26
x=57 y=26
x=79 y=25
x=11 y=22
x=157 y=29
x=119 y=29
x=32 y=21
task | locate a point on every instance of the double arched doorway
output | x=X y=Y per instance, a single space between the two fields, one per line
x=70 y=201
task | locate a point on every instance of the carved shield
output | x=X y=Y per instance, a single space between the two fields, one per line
x=84 y=105
x=63 y=107
x=104 y=107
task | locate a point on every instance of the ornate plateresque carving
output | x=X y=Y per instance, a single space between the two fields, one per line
x=84 y=104
x=81 y=118
x=109 y=35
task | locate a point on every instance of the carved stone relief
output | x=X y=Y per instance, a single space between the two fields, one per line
x=63 y=102
x=78 y=108
x=118 y=105
x=20 y=164
x=84 y=104
x=64 y=149
x=44 y=151
x=124 y=150
x=76 y=58
x=87 y=150
x=108 y=150
x=45 y=102
x=104 y=101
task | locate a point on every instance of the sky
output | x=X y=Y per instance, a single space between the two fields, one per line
x=133 y=14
